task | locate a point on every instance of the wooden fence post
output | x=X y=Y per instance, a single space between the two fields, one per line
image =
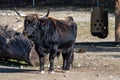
x=117 y=20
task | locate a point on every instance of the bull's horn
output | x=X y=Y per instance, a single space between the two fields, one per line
x=22 y=15
x=47 y=14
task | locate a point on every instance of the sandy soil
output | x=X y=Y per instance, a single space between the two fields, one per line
x=82 y=73
x=97 y=63
x=87 y=66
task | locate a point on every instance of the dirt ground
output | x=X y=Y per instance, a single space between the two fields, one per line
x=88 y=66
x=96 y=63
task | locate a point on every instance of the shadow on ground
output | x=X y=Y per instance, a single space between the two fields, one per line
x=5 y=69
x=99 y=46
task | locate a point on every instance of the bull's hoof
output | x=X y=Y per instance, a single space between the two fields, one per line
x=42 y=72
x=51 y=72
x=65 y=71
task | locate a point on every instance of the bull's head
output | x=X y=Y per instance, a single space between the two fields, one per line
x=32 y=22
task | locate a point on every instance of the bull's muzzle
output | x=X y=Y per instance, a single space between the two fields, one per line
x=26 y=34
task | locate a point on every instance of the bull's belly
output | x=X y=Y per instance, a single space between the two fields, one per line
x=65 y=45
x=60 y=50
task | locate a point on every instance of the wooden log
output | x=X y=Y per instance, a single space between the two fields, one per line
x=14 y=45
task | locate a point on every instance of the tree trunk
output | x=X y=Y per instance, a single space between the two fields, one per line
x=117 y=20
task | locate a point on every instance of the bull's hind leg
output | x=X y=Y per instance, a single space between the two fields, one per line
x=72 y=60
x=67 y=60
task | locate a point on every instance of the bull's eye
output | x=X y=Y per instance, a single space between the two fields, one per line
x=43 y=23
x=28 y=22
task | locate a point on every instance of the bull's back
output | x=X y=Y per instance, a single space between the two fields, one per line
x=67 y=31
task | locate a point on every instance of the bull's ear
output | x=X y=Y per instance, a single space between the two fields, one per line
x=35 y=16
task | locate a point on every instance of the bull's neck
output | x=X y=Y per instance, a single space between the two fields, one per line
x=40 y=36
x=51 y=29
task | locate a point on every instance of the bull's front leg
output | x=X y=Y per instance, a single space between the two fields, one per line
x=53 y=53
x=42 y=54
x=41 y=58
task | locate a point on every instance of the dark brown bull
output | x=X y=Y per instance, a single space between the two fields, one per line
x=50 y=36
